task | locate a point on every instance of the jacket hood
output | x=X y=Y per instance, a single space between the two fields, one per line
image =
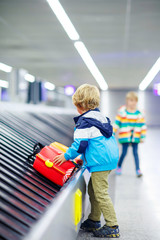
x=96 y=119
x=105 y=128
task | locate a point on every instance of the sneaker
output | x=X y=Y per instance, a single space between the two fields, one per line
x=107 y=232
x=119 y=171
x=139 y=173
x=90 y=225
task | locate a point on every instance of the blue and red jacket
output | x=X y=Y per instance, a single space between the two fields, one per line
x=94 y=140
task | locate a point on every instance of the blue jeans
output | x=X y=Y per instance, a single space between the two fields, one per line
x=124 y=152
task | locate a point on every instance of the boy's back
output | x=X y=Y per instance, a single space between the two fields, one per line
x=93 y=135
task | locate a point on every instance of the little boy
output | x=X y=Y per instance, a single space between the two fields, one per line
x=93 y=139
x=132 y=130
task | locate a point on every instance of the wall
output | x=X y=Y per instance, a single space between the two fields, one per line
x=148 y=102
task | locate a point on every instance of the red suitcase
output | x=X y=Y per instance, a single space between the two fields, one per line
x=44 y=165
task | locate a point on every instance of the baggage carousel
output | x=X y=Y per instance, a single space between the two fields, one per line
x=32 y=207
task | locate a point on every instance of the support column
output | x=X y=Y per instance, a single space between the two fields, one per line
x=13 y=85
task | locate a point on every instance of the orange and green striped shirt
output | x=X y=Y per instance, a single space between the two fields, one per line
x=131 y=126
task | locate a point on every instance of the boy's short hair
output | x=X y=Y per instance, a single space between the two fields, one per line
x=86 y=97
x=132 y=95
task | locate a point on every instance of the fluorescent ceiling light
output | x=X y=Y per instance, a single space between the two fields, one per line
x=73 y=35
x=49 y=86
x=91 y=65
x=29 y=77
x=150 y=75
x=5 y=68
x=4 y=84
x=63 y=19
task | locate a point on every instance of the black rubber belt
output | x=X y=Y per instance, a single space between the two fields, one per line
x=25 y=193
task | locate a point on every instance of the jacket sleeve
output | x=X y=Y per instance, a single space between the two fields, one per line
x=117 y=123
x=143 y=128
x=79 y=145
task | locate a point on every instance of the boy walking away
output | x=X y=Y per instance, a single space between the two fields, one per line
x=132 y=130
x=94 y=140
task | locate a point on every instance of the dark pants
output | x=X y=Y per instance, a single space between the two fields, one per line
x=124 y=152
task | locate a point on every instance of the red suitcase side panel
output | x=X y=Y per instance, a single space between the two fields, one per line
x=44 y=165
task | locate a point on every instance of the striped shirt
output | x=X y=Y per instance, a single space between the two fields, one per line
x=131 y=126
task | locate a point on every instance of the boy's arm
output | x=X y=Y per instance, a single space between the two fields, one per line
x=78 y=147
x=81 y=136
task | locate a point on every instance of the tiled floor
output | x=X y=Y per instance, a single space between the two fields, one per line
x=137 y=201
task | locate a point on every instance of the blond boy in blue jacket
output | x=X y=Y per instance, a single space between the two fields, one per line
x=94 y=140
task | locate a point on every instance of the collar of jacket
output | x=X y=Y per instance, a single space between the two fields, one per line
x=123 y=111
x=76 y=119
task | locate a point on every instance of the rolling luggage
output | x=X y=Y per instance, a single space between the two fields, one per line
x=44 y=163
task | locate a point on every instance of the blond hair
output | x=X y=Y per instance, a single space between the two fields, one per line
x=86 y=97
x=132 y=95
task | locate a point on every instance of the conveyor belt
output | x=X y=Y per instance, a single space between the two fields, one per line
x=25 y=193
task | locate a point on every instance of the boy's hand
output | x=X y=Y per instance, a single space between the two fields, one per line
x=141 y=140
x=59 y=159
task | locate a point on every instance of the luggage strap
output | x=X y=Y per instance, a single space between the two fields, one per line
x=76 y=164
x=36 y=149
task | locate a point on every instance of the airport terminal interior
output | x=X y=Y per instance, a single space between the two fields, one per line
x=48 y=48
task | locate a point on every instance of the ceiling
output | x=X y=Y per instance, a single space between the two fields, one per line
x=122 y=36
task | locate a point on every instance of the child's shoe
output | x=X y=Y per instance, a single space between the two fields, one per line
x=118 y=170
x=90 y=225
x=139 y=173
x=107 y=232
